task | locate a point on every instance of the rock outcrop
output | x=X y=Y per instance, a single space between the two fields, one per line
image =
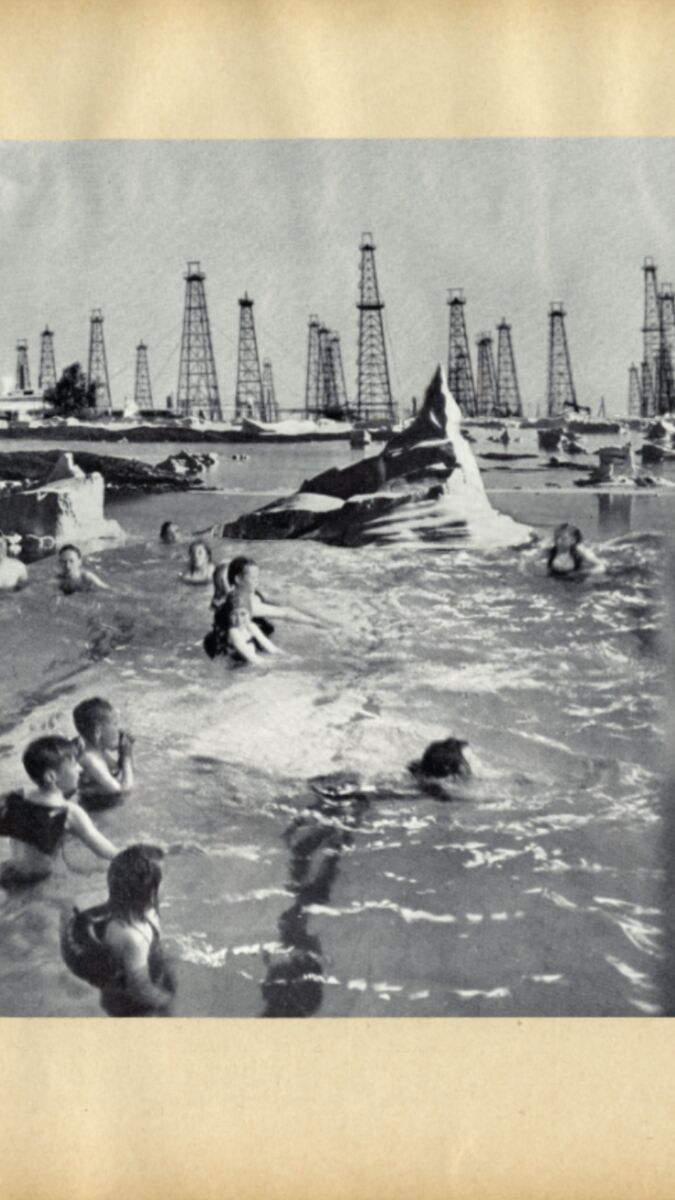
x=425 y=487
x=67 y=506
x=123 y=476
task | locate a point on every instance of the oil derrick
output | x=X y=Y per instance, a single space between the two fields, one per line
x=22 y=368
x=47 y=373
x=509 y=403
x=97 y=372
x=142 y=388
x=634 y=392
x=269 y=401
x=374 y=400
x=460 y=373
x=486 y=378
x=651 y=333
x=197 y=379
x=561 y=393
x=313 y=379
x=248 y=400
x=336 y=402
x=665 y=392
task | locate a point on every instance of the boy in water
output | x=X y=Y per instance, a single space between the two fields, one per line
x=37 y=823
x=73 y=575
x=13 y=574
x=106 y=758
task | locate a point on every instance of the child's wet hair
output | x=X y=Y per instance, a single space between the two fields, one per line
x=76 y=550
x=566 y=527
x=134 y=876
x=168 y=531
x=442 y=760
x=237 y=567
x=46 y=754
x=90 y=713
x=220 y=579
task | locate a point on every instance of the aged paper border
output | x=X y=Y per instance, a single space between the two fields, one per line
x=402 y=1109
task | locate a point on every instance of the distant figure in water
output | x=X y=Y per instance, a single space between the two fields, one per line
x=13 y=574
x=235 y=631
x=443 y=760
x=568 y=556
x=200 y=564
x=117 y=946
x=106 y=755
x=169 y=533
x=73 y=576
x=38 y=823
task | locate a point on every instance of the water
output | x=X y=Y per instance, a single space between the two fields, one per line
x=538 y=896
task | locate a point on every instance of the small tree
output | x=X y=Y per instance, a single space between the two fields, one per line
x=72 y=394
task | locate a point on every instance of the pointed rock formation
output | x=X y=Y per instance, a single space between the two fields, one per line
x=425 y=488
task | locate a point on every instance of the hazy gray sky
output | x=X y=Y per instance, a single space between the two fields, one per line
x=516 y=223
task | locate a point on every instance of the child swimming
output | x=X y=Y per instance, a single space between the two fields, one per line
x=73 y=576
x=169 y=534
x=38 y=823
x=567 y=556
x=235 y=632
x=13 y=574
x=106 y=757
x=200 y=564
x=117 y=947
x=261 y=607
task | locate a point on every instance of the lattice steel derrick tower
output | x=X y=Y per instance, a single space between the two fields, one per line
x=270 y=406
x=248 y=400
x=460 y=372
x=47 y=373
x=561 y=392
x=197 y=380
x=509 y=403
x=336 y=400
x=665 y=391
x=313 y=377
x=374 y=400
x=22 y=367
x=634 y=392
x=651 y=334
x=97 y=371
x=142 y=386
x=486 y=377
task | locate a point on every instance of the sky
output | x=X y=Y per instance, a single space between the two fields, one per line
x=516 y=223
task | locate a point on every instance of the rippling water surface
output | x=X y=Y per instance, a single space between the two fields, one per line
x=537 y=894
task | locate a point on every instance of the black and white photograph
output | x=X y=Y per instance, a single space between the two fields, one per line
x=336 y=481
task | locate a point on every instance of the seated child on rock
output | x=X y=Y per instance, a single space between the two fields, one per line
x=38 y=823
x=106 y=755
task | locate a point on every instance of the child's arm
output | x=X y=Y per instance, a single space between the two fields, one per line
x=263 y=641
x=83 y=827
x=97 y=582
x=101 y=778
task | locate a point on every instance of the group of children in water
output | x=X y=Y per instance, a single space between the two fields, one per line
x=116 y=945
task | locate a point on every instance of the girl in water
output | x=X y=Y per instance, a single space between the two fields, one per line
x=235 y=631
x=200 y=564
x=116 y=946
x=568 y=556
x=73 y=576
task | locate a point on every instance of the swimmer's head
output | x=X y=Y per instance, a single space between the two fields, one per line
x=199 y=555
x=220 y=588
x=96 y=721
x=52 y=762
x=241 y=570
x=134 y=876
x=443 y=760
x=70 y=560
x=168 y=534
x=566 y=536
